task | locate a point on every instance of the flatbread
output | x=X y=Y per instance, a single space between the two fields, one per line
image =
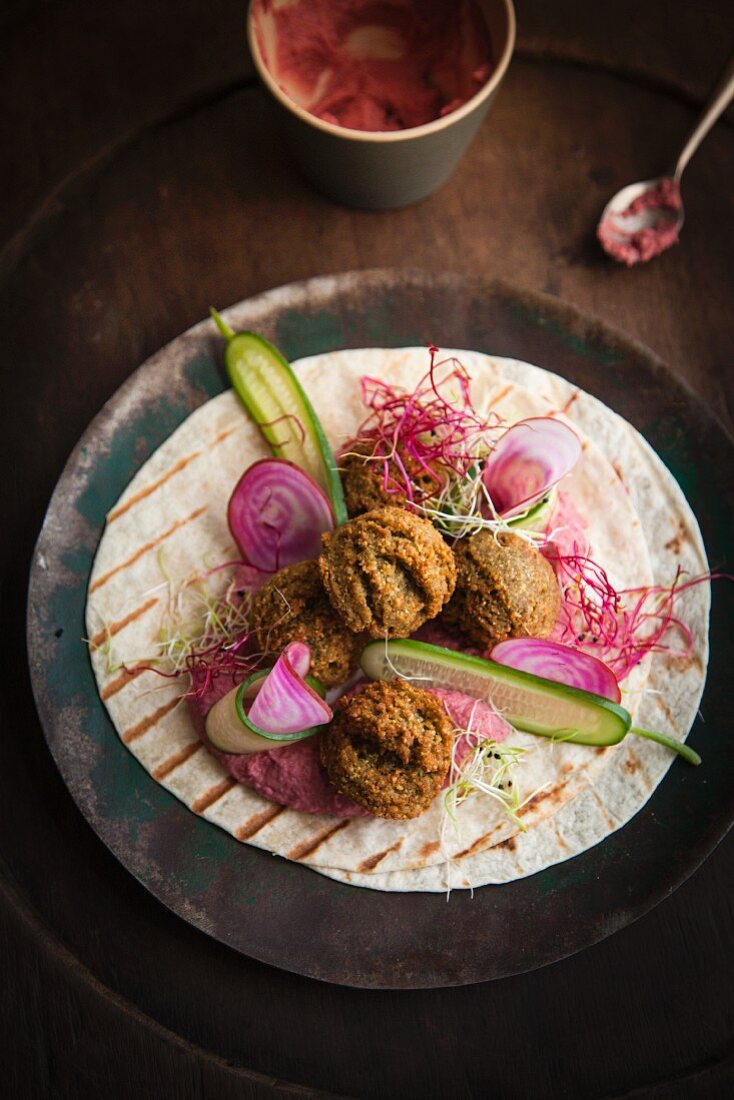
x=640 y=528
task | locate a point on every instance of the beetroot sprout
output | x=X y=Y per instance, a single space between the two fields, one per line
x=423 y=439
x=619 y=627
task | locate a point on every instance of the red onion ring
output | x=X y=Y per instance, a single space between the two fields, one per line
x=285 y=703
x=277 y=514
x=527 y=461
x=559 y=663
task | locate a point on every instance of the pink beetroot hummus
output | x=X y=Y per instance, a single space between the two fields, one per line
x=375 y=64
x=293 y=776
x=648 y=226
x=567 y=527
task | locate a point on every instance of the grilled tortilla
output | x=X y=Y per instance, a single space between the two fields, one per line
x=171 y=522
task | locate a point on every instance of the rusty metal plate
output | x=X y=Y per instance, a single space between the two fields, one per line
x=284 y=914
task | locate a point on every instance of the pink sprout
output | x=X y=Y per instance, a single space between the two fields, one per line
x=214 y=657
x=619 y=627
x=422 y=433
x=204 y=666
x=286 y=417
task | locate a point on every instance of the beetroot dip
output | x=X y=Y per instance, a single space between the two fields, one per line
x=566 y=528
x=661 y=206
x=293 y=776
x=375 y=64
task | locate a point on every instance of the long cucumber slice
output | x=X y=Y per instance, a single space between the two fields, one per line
x=276 y=401
x=528 y=702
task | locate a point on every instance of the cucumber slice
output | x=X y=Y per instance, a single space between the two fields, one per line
x=272 y=395
x=230 y=730
x=536 y=519
x=528 y=702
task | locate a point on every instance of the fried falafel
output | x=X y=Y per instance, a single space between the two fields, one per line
x=293 y=606
x=387 y=572
x=505 y=588
x=389 y=748
x=363 y=479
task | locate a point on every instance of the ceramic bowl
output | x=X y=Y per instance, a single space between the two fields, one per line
x=381 y=170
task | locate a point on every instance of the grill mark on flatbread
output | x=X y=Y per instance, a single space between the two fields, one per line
x=143 y=493
x=555 y=791
x=145 y=548
x=223 y=435
x=679 y=540
x=666 y=711
x=497 y=397
x=602 y=809
x=371 y=862
x=126 y=677
x=308 y=847
x=178 y=758
x=149 y=721
x=257 y=822
x=634 y=766
x=564 y=408
x=115 y=628
x=428 y=849
x=213 y=795
x=478 y=843
x=509 y=843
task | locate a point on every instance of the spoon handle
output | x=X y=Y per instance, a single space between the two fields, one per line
x=721 y=97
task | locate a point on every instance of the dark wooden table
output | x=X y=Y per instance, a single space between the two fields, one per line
x=143 y=181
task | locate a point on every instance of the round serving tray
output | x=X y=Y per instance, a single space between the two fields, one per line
x=285 y=914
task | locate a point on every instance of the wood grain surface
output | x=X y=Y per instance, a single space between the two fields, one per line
x=144 y=179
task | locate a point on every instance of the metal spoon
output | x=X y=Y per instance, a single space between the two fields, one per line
x=637 y=235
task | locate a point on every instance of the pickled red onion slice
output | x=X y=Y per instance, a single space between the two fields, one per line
x=277 y=514
x=299 y=656
x=560 y=663
x=527 y=461
x=285 y=703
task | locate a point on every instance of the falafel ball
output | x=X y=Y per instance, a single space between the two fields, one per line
x=386 y=572
x=292 y=606
x=389 y=748
x=363 y=480
x=505 y=588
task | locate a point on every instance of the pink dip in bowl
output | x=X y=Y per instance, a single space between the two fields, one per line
x=375 y=64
